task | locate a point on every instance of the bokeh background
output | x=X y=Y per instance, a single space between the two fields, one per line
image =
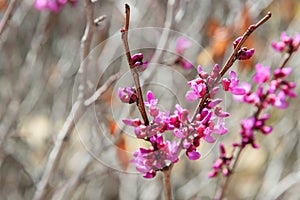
x=40 y=55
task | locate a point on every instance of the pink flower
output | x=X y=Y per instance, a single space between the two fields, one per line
x=148 y=161
x=287 y=43
x=127 y=95
x=198 y=87
x=262 y=74
x=137 y=61
x=237 y=41
x=182 y=44
x=221 y=164
x=52 y=5
x=151 y=103
x=281 y=73
x=41 y=4
x=245 y=54
x=232 y=84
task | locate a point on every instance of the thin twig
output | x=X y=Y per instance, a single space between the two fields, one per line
x=56 y=152
x=85 y=47
x=134 y=72
x=7 y=15
x=102 y=89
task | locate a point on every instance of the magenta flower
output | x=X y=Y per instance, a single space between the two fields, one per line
x=237 y=41
x=151 y=104
x=148 y=161
x=245 y=54
x=262 y=74
x=247 y=132
x=198 y=87
x=182 y=44
x=287 y=43
x=52 y=5
x=127 y=95
x=137 y=61
x=221 y=164
x=281 y=73
x=231 y=84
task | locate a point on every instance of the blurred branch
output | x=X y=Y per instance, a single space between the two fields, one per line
x=102 y=89
x=14 y=103
x=285 y=184
x=7 y=15
x=76 y=111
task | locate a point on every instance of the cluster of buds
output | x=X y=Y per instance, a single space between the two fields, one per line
x=137 y=61
x=222 y=164
x=287 y=43
x=244 y=53
x=52 y=5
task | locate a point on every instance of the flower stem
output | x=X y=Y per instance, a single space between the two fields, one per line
x=167 y=183
x=134 y=72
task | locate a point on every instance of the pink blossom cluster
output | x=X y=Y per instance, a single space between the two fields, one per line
x=188 y=132
x=244 y=53
x=287 y=43
x=162 y=151
x=52 y=5
x=270 y=91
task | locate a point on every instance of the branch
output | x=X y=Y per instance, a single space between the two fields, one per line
x=7 y=15
x=85 y=47
x=102 y=89
x=134 y=72
x=57 y=150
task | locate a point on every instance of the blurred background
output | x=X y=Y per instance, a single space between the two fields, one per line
x=40 y=54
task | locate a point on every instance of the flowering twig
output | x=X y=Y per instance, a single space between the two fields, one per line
x=134 y=72
x=233 y=57
x=7 y=15
x=256 y=115
x=234 y=54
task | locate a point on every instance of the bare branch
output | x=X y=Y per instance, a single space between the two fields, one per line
x=102 y=89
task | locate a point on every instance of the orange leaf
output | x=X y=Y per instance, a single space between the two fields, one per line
x=122 y=153
x=3 y=5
